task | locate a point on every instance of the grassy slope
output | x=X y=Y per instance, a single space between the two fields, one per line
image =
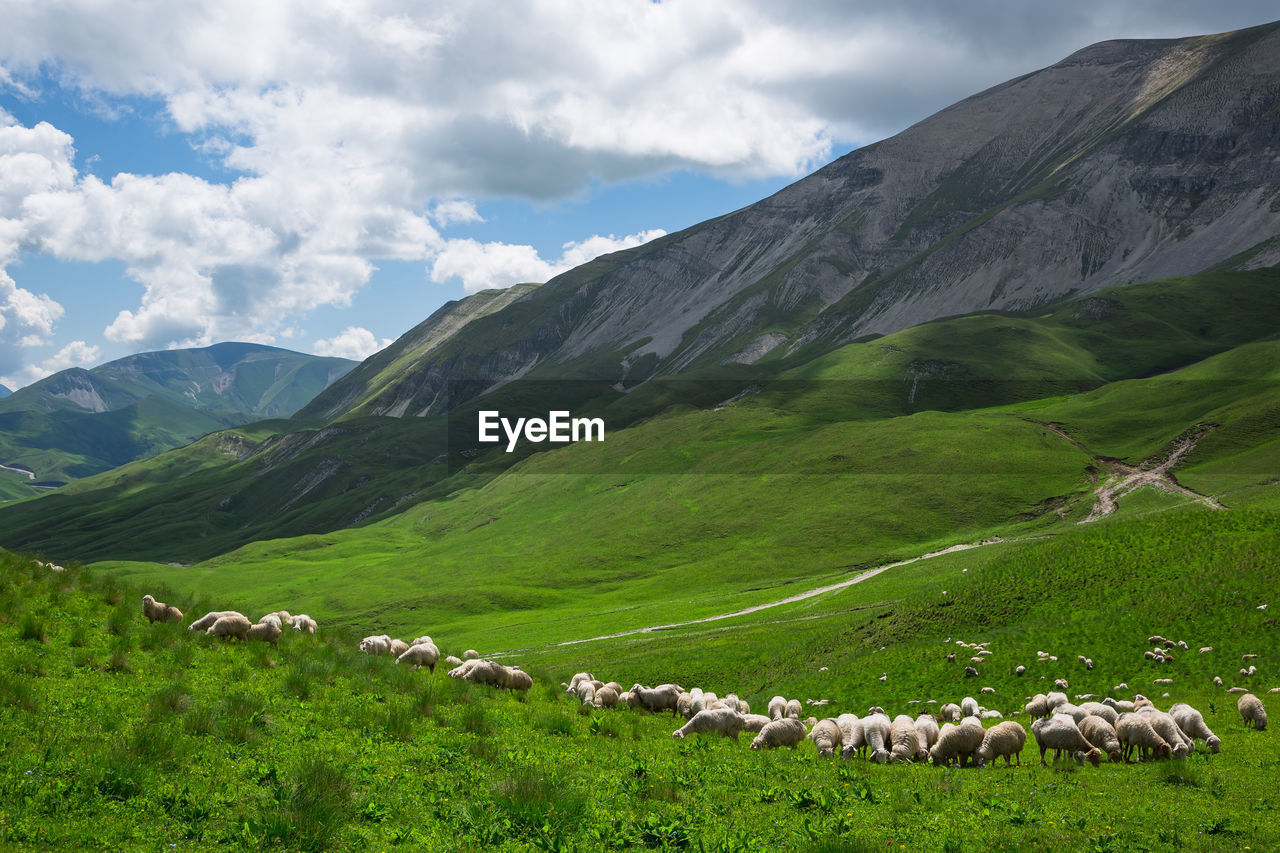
x=119 y=734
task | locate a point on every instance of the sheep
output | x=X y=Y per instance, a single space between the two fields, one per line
x=1054 y=699
x=1007 y=739
x=1248 y=657
x=990 y=714
x=684 y=705
x=754 y=722
x=927 y=730
x=1122 y=706
x=971 y=672
x=453 y=660
x=379 y=645
x=571 y=687
x=1135 y=732
x=1061 y=684
x=951 y=658
x=470 y=654
x=721 y=721
x=827 y=737
x=1061 y=734
x=271 y=619
x=777 y=707
x=286 y=621
x=1101 y=734
x=420 y=655
x=158 y=611
x=876 y=731
x=1038 y=706
x=1163 y=681
x=397 y=648
x=657 y=699
x=784 y=732
x=1099 y=709
x=987 y=690
x=957 y=742
x=205 y=621
x=950 y=712
x=904 y=739
x=1071 y=711
x=606 y=697
x=1204 y=649
x=268 y=630
x=303 y=622
x=1019 y=670
x=230 y=626
x=794 y=709
x=710 y=701
x=587 y=693
x=463 y=669
x=516 y=679
x=626 y=700
x=1251 y=709
x=969 y=706
x=1140 y=702
x=1191 y=723
x=1237 y=689
x=852 y=739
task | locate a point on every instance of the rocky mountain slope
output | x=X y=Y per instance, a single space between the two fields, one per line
x=1127 y=161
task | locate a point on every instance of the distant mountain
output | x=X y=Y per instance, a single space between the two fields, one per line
x=78 y=422
x=4 y=392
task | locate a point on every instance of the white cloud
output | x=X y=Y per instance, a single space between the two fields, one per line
x=74 y=354
x=482 y=266
x=354 y=342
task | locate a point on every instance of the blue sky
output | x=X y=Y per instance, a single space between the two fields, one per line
x=322 y=176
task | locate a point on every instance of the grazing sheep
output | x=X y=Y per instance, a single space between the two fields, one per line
x=1100 y=709
x=517 y=679
x=1054 y=699
x=587 y=693
x=207 y=620
x=1122 y=706
x=950 y=713
x=606 y=697
x=1251 y=709
x=626 y=700
x=957 y=742
x=470 y=654
x=876 y=731
x=784 y=732
x=571 y=687
x=1134 y=732
x=1038 y=706
x=754 y=722
x=927 y=730
x=657 y=699
x=970 y=672
x=1237 y=689
x=990 y=714
x=158 y=611
x=827 y=737
x=794 y=709
x=1071 y=711
x=379 y=645
x=271 y=619
x=720 y=721
x=988 y=690
x=969 y=706
x=1191 y=723
x=1140 y=702
x=1061 y=734
x=903 y=738
x=1248 y=657
x=951 y=658
x=397 y=648
x=230 y=626
x=851 y=737
x=268 y=631
x=420 y=655
x=1019 y=670
x=1101 y=734
x=1061 y=684
x=303 y=622
x=1007 y=739
x=777 y=707
x=286 y=621
x=1204 y=649
x=684 y=705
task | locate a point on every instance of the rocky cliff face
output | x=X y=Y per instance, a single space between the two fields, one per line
x=1127 y=161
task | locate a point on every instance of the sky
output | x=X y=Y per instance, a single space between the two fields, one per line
x=322 y=176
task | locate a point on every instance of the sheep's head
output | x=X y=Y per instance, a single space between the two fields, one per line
x=1214 y=743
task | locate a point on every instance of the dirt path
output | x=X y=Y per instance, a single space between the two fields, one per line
x=800 y=596
x=1154 y=472
x=31 y=475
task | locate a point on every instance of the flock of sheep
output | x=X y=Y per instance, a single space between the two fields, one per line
x=231 y=623
x=1119 y=729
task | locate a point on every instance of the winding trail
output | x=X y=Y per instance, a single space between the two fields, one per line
x=800 y=596
x=31 y=475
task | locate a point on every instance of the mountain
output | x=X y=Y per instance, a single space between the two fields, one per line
x=4 y=392
x=1127 y=161
x=79 y=422
x=1036 y=205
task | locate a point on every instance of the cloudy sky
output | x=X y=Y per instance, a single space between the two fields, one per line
x=322 y=175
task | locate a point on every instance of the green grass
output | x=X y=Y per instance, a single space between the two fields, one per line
x=204 y=744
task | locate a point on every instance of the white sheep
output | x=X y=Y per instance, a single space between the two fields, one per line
x=684 y=705
x=1136 y=734
x=376 y=645
x=303 y=622
x=286 y=620
x=990 y=714
x=397 y=648
x=1253 y=712
x=1019 y=670
x=903 y=738
x=721 y=721
x=1072 y=711
x=572 y=686
x=875 y=730
x=1101 y=734
x=470 y=654
x=777 y=707
x=927 y=730
x=158 y=611
x=230 y=626
x=827 y=737
x=969 y=706
x=268 y=630
x=587 y=693
x=657 y=699
x=950 y=713
x=420 y=655
x=606 y=697
x=1038 y=706
x=784 y=732
x=754 y=722
x=1007 y=739
x=1165 y=726
x=794 y=709
x=514 y=678
x=1103 y=710
x=207 y=620
x=851 y=738
x=957 y=742
x=1192 y=724
x=1056 y=697
x=271 y=619
x=1061 y=734
x=454 y=660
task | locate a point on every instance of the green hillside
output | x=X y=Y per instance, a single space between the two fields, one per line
x=79 y=422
